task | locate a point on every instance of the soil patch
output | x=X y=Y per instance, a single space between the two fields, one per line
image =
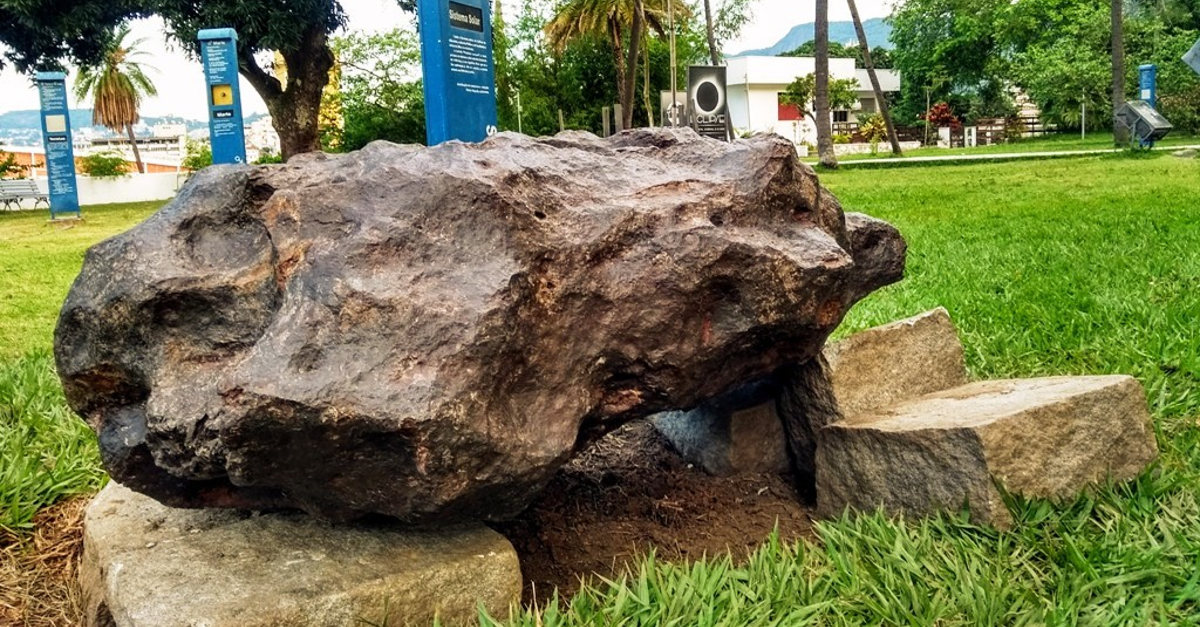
x=629 y=492
x=38 y=585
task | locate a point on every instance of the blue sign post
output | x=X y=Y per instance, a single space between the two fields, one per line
x=458 y=70
x=218 y=49
x=56 y=139
x=1147 y=84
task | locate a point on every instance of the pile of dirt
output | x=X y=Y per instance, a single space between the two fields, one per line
x=38 y=584
x=630 y=492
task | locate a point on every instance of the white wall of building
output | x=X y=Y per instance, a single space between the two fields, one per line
x=128 y=188
x=754 y=85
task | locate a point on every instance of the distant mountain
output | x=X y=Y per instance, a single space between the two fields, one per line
x=878 y=32
x=28 y=118
x=24 y=127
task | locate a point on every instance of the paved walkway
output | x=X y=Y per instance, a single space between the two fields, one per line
x=1002 y=156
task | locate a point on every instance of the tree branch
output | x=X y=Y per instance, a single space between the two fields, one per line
x=266 y=85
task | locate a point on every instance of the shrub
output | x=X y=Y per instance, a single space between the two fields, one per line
x=8 y=166
x=941 y=114
x=199 y=156
x=841 y=138
x=268 y=156
x=104 y=165
x=873 y=129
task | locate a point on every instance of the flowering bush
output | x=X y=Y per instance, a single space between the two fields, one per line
x=940 y=115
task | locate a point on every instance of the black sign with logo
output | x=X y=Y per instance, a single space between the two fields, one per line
x=707 y=104
x=466 y=17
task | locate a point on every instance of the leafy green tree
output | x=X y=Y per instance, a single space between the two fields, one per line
x=44 y=33
x=1150 y=39
x=951 y=50
x=731 y=17
x=581 y=77
x=1060 y=57
x=104 y=165
x=620 y=21
x=880 y=56
x=1174 y=15
x=116 y=86
x=381 y=96
x=198 y=155
x=801 y=92
x=8 y=166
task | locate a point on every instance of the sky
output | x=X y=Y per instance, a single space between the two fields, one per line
x=180 y=82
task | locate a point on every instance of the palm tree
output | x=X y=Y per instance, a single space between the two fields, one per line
x=610 y=19
x=708 y=30
x=1118 y=64
x=117 y=86
x=879 y=99
x=821 y=91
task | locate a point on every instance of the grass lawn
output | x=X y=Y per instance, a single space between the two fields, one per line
x=1049 y=267
x=1048 y=143
x=46 y=453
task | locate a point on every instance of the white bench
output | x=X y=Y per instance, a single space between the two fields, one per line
x=12 y=191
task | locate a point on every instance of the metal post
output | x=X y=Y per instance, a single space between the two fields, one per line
x=519 y=112
x=674 y=89
x=927 y=105
x=1083 y=119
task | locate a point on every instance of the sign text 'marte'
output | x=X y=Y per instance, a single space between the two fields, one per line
x=218 y=50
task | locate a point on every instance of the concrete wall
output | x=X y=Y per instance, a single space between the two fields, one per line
x=861 y=149
x=128 y=188
x=33 y=160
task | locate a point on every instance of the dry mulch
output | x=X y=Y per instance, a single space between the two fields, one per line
x=38 y=584
x=630 y=492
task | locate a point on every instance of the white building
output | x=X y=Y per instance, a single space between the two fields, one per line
x=756 y=84
x=164 y=145
x=261 y=138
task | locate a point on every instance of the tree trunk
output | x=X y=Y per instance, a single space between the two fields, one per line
x=708 y=28
x=821 y=90
x=1118 y=66
x=294 y=108
x=635 y=38
x=715 y=57
x=646 y=83
x=880 y=100
x=137 y=154
x=614 y=36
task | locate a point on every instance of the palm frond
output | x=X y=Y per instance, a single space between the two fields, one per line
x=117 y=84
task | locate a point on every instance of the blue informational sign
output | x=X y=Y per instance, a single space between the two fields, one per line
x=56 y=138
x=458 y=70
x=1147 y=79
x=218 y=49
